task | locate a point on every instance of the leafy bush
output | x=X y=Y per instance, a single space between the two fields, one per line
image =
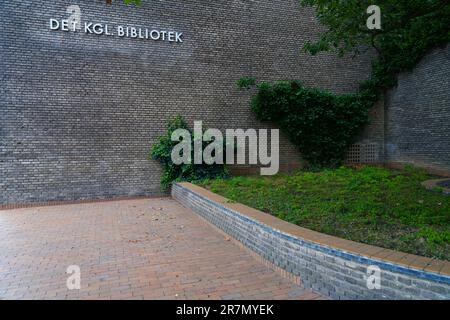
x=322 y=125
x=186 y=172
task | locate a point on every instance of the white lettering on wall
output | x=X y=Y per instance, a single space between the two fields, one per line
x=133 y=32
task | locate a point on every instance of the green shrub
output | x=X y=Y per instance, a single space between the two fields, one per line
x=322 y=125
x=186 y=172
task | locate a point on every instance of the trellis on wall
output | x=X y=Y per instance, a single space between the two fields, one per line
x=363 y=153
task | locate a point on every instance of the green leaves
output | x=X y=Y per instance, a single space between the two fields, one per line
x=136 y=2
x=410 y=28
x=246 y=82
x=162 y=152
x=322 y=125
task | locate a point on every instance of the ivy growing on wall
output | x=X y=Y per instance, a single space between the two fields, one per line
x=323 y=124
x=162 y=152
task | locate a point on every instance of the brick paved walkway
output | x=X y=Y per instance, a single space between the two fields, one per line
x=135 y=249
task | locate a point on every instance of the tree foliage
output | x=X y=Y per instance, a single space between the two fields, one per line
x=410 y=29
x=322 y=124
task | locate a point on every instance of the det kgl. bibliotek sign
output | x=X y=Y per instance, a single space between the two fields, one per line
x=121 y=31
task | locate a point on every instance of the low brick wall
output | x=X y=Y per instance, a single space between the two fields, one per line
x=332 y=266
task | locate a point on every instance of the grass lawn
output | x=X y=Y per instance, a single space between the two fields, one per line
x=386 y=208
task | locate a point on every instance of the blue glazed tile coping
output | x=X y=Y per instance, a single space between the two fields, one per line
x=335 y=252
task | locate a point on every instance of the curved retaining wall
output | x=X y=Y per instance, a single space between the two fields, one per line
x=332 y=266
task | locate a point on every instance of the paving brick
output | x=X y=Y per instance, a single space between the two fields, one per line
x=195 y=264
x=332 y=273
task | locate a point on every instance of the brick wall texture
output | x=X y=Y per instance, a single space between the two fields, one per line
x=330 y=272
x=79 y=112
x=411 y=125
x=418 y=115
